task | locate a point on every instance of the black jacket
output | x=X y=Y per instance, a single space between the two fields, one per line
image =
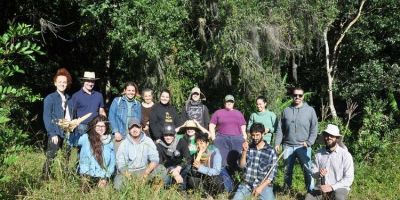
x=158 y=116
x=170 y=156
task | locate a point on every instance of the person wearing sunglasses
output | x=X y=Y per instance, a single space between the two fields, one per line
x=297 y=131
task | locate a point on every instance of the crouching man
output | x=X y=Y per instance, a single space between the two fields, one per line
x=333 y=168
x=137 y=155
x=174 y=156
x=206 y=169
x=259 y=160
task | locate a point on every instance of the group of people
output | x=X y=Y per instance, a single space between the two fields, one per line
x=139 y=138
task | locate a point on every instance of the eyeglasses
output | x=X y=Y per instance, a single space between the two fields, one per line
x=195 y=93
x=298 y=95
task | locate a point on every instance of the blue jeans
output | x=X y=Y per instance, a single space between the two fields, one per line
x=78 y=132
x=229 y=146
x=304 y=156
x=244 y=192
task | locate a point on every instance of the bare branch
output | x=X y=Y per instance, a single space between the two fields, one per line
x=349 y=26
x=53 y=28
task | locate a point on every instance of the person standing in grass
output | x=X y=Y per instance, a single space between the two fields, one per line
x=122 y=110
x=333 y=168
x=85 y=101
x=137 y=155
x=194 y=108
x=147 y=105
x=264 y=116
x=97 y=157
x=174 y=156
x=56 y=106
x=228 y=128
x=163 y=112
x=297 y=131
x=259 y=161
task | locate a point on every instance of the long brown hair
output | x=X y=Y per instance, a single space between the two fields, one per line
x=95 y=139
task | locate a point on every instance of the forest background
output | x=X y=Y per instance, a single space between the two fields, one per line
x=344 y=53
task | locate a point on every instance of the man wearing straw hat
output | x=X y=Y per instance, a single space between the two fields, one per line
x=333 y=168
x=85 y=101
x=259 y=160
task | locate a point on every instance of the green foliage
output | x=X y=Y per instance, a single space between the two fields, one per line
x=151 y=34
x=16 y=50
x=376 y=131
x=373 y=178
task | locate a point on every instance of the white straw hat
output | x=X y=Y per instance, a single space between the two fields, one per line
x=89 y=76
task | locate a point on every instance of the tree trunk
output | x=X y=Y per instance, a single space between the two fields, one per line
x=294 y=68
x=329 y=74
x=108 y=76
x=332 y=67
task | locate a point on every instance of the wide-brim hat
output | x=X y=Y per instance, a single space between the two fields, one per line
x=134 y=122
x=197 y=90
x=190 y=124
x=91 y=76
x=332 y=130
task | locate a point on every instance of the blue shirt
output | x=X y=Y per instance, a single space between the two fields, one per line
x=215 y=163
x=88 y=164
x=53 y=111
x=258 y=164
x=85 y=103
x=121 y=111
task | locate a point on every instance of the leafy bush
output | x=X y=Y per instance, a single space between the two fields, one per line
x=376 y=130
x=16 y=49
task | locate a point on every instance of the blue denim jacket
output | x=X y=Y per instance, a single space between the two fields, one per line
x=118 y=114
x=53 y=111
x=88 y=164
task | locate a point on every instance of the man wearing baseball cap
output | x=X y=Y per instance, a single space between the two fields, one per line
x=333 y=168
x=137 y=154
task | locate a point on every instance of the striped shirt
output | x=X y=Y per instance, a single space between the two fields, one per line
x=258 y=164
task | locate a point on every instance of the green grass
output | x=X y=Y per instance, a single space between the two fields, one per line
x=379 y=179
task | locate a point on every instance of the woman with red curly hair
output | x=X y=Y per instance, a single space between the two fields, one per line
x=56 y=106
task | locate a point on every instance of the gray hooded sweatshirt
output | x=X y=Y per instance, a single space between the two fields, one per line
x=297 y=125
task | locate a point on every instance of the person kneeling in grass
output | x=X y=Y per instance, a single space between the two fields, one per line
x=97 y=157
x=206 y=169
x=333 y=168
x=174 y=156
x=137 y=154
x=259 y=160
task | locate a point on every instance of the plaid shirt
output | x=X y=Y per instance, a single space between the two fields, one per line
x=258 y=164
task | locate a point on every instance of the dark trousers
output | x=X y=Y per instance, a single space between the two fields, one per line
x=213 y=185
x=339 y=194
x=51 y=153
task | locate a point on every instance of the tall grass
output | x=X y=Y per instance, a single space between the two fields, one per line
x=379 y=179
